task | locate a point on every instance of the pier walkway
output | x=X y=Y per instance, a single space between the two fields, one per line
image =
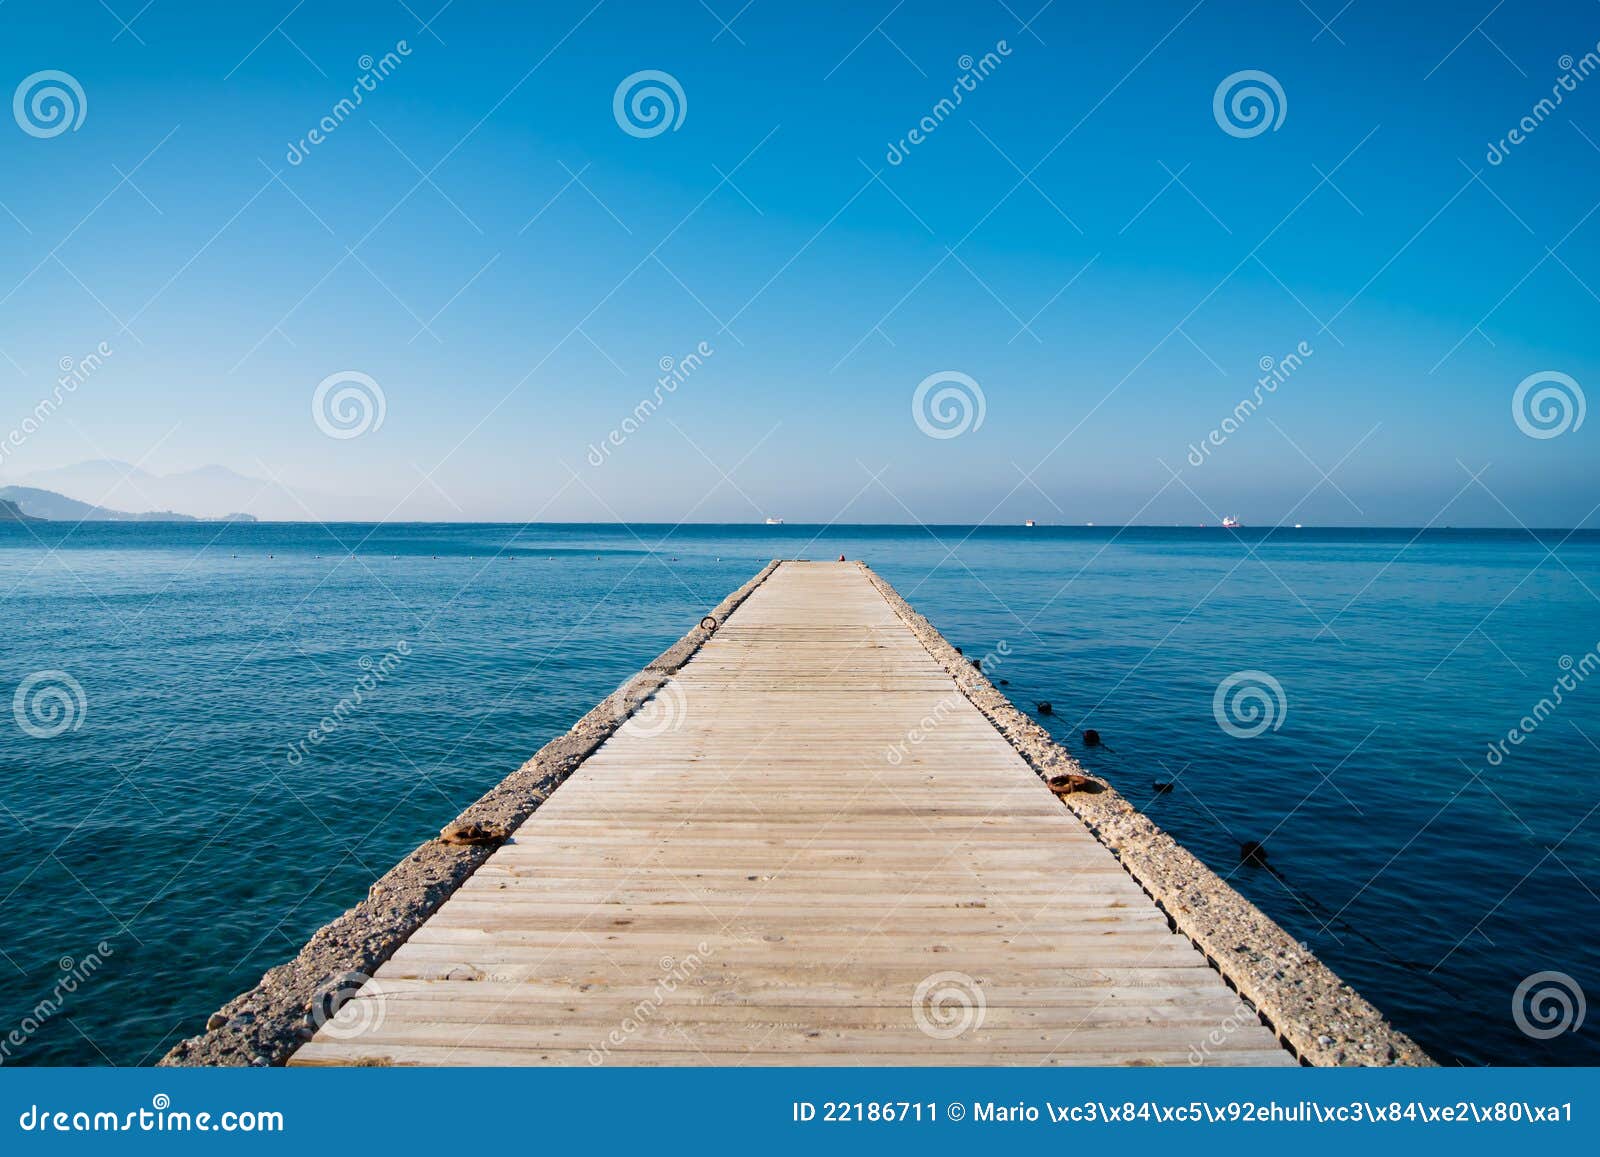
x=809 y=848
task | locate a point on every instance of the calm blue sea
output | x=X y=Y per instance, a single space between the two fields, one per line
x=167 y=821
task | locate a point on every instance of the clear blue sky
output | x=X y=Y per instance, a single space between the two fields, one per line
x=827 y=295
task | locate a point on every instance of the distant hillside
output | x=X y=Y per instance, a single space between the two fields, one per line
x=47 y=504
x=11 y=512
x=207 y=491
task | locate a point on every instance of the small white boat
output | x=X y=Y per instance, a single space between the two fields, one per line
x=1231 y=523
x=774 y=522
x=1030 y=522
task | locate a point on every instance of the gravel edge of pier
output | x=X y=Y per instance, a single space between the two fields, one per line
x=1316 y=1015
x=265 y=1025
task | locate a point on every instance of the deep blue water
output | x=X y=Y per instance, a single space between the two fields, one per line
x=168 y=821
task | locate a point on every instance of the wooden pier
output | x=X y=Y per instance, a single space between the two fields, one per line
x=808 y=848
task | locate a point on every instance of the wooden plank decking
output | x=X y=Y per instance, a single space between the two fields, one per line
x=741 y=875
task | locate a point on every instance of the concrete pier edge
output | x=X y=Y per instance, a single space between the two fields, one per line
x=1316 y=1015
x=266 y=1024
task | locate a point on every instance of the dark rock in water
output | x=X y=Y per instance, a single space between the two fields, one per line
x=1045 y=708
x=1253 y=853
x=958 y=650
x=1091 y=738
x=977 y=664
x=475 y=833
x=1005 y=682
x=1162 y=788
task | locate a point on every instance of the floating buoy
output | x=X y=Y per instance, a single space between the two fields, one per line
x=1091 y=738
x=1045 y=708
x=1254 y=853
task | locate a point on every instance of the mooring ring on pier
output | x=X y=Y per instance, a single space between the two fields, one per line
x=708 y=624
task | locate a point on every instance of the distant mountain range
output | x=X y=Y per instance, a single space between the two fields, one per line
x=28 y=503
x=107 y=490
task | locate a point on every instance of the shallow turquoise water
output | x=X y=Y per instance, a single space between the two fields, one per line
x=168 y=820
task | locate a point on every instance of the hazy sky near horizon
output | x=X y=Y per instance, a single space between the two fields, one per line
x=1081 y=236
